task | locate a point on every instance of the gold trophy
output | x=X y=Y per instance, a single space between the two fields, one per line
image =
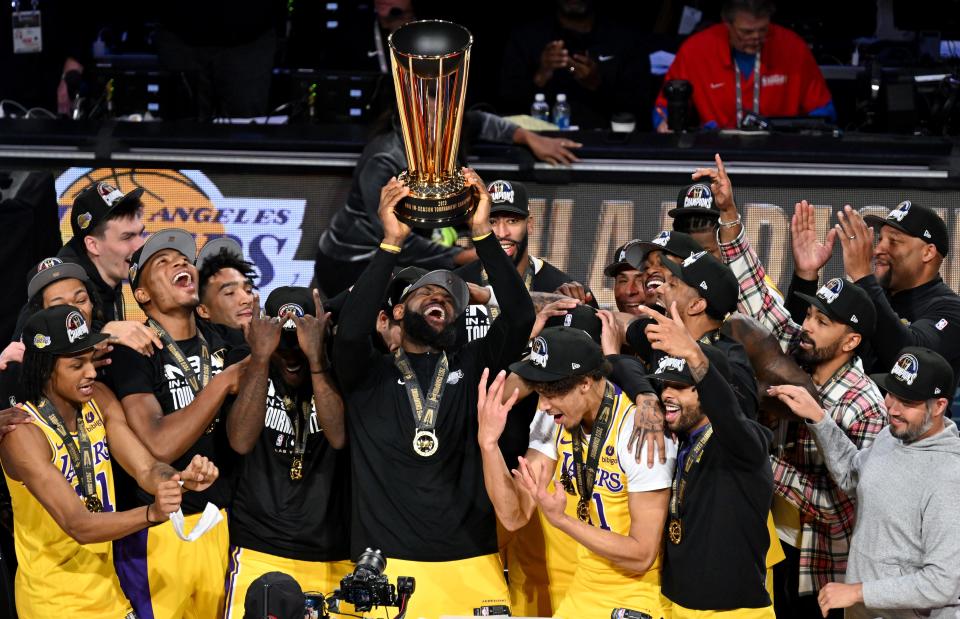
x=431 y=60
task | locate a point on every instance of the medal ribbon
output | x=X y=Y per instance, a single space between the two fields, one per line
x=196 y=382
x=298 y=410
x=586 y=473
x=424 y=410
x=679 y=485
x=82 y=464
x=756 y=88
x=527 y=282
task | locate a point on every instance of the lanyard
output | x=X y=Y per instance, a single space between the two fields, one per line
x=527 y=282
x=586 y=472
x=82 y=464
x=298 y=410
x=756 y=88
x=680 y=485
x=196 y=382
x=425 y=409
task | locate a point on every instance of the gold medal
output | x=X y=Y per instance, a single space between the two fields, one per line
x=94 y=504
x=675 y=531
x=567 y=483
x=296 y=468
x=583 y=510
x=425 y=443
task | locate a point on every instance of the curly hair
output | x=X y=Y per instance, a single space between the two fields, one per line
x=559 y=388
x=223 y=260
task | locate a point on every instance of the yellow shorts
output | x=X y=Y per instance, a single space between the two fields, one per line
x=247 y=565
x=167 y=578
x=679 y=612
x=68 y=592
x=590 y=596
x=450 y=587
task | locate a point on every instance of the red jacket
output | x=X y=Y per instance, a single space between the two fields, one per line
x=791 y=83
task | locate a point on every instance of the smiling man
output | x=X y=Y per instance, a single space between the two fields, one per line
x=225 y=284
x=418 y=492
x=905 y=551
x=173 y=400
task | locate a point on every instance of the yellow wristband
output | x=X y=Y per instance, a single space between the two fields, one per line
x=393 y=249
x=481 y=237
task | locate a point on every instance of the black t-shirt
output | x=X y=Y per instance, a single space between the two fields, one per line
x=306 y=519
x=475 y=323
x=133 y=373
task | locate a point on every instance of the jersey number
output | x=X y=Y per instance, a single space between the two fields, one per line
x=598 y=500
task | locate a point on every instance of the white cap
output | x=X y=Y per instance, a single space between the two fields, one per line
x=539 y=97
x=561 y=97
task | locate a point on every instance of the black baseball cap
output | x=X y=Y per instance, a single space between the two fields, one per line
x=626 y=257
x=558 y=353
x=675 y=369
x=583 y=317
x=508 y=197
x=845 y=302
x=695 y=199
x=284 y=300
x=283 y=597
x=60 y=330
x=51 y=270
x=713 y=280
x=213 y=247
x=679 y=244
x=917 y=221
x=399 y=283
x=96 y=202
x=918 y=374
x=170 y=238
x=449 y=281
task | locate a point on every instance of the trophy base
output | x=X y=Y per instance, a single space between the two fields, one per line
x=435 y=206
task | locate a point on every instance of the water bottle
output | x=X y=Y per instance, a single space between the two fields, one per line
x=561 y=112
x=540 y=108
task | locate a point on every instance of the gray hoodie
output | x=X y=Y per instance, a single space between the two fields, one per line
x=906 y=544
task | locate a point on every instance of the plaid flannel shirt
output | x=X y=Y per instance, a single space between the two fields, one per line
x=827 y=514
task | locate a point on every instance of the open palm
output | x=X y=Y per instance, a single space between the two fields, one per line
x=809 y=254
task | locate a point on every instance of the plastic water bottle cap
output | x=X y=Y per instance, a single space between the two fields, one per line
x=539 y=97
x=561 y=98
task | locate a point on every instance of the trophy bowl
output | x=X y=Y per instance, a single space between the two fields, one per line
x=431 y=61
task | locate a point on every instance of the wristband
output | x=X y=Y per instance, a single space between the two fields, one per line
x=393 y=249
x=151 y=522
x=481 y=237
x=730 y=224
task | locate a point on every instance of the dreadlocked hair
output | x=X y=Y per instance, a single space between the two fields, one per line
x=557 y=388
x=223 y=260
x=35 y=372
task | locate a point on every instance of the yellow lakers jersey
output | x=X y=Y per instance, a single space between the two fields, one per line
x=50 y=561
x=609 y=504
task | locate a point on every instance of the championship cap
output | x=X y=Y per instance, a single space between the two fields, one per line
x=449 y=281
x=558 y=353
x=675 y=369
x=215 y=246
x=679 y=244
x=279 y=592
x=508 y=197
x=93 y=204
x=847 y=303
x=627 y=257
x=51 y=270
x=284 y=300
x=399 y=283
x=918 y=374
x=583 y=317
x=712 y=279
x=917 y=221
x=60 y=330
x=170 y=238
x=695 y=199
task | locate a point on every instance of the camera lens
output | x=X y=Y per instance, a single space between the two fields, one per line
x=371 y=561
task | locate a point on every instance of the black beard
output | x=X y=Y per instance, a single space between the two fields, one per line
x=810 y=359
x=416 y=327
x=521 y=250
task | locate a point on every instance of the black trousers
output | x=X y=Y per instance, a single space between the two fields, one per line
x=787 y=602
x=224 y=81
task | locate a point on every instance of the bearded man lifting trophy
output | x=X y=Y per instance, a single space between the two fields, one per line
x=431 y=60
